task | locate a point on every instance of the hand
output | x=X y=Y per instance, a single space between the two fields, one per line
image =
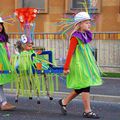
x=66 y=72
x=39 y=52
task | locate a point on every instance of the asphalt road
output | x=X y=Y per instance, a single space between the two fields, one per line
x=50 y=110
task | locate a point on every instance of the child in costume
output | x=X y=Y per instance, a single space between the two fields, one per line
x=80 y=66
x=24 y=68
x=5 y=65
x=26 y=48
x=25 y=62
x=31 y=66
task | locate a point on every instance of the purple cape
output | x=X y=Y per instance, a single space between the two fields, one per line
x=80 y=35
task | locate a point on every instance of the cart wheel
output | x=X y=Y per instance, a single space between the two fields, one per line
x=51 y=98
x=38 y=102
x=16 y=101
x=30 y=98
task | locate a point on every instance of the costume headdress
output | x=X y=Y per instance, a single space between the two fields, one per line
x=67 y=23
x=81 y=16
x=26 y=17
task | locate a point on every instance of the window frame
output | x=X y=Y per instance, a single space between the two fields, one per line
x=19 y=4
x=119 y=6
x=68 y=4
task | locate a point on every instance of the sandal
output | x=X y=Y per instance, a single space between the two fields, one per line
x=90 y=115
x=63 y=107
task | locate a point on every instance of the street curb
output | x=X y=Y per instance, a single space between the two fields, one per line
x=94 y=97
x=110 y=78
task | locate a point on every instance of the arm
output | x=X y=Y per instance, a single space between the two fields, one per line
x=72 y=47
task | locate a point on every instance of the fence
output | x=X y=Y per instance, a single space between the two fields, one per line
x=107 y=46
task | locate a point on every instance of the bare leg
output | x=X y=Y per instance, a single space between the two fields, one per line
x=4 y=104
x=86 y=101
x=72 y=95
x=2 y=95
x=65 y=101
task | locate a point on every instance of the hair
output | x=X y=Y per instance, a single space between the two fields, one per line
x=4 y=32
x=76 y=28
x=20 y=46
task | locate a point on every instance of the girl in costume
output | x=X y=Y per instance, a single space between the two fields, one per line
x=80 y=66
x=5 y=65
x=25 y=47
x=26 y=62
x=25 y=68
x=29 y=63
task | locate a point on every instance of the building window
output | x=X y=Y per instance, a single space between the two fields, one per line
x=41 y=5
x=82 y=5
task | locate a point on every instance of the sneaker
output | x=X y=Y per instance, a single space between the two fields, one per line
x=90 y=115
x=63 y=107
x=7 y=106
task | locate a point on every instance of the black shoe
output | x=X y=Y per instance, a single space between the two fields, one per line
x=63 y=107
x=90 y=115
